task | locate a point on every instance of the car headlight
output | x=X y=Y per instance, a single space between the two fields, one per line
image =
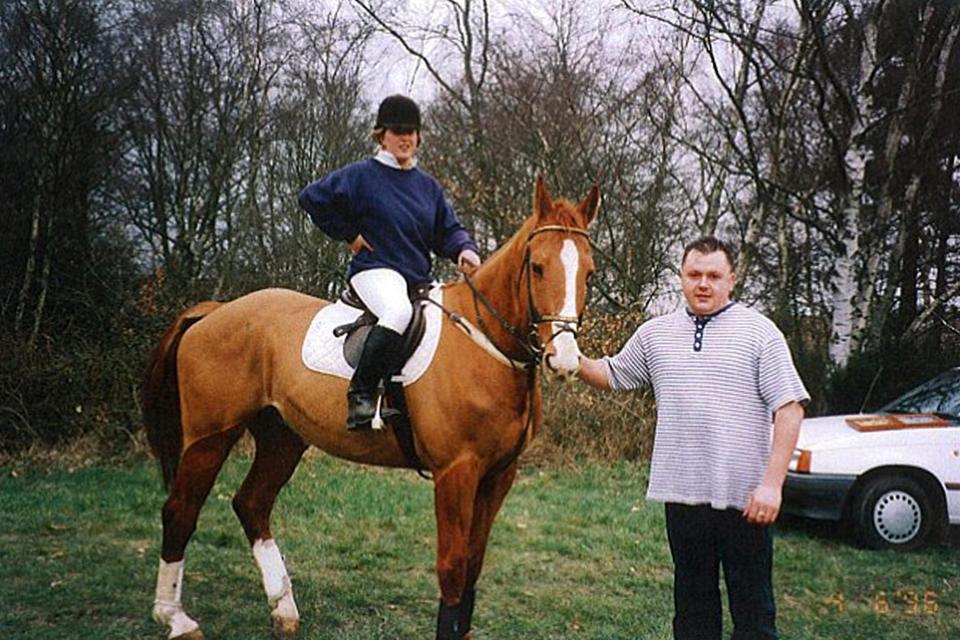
x=800 y=461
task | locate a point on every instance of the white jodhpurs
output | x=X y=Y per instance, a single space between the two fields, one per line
x=384 y=291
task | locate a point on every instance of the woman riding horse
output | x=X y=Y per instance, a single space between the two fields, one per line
x=472 y=411
x=391 y=214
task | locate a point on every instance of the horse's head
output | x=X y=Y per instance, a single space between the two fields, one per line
x=557 y=267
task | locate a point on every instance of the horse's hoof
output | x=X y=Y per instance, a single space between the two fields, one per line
x=285 y=628
x=196 y=634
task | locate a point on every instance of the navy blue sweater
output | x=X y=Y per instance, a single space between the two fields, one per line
x=402 y=214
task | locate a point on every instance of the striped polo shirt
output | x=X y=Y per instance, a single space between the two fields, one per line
x=717 y=382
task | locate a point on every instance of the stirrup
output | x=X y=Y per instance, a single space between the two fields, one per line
x=388 y=412
x=364 y=425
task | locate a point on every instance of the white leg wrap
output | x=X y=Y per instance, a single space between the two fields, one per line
x=167 y=609
x=276 y=582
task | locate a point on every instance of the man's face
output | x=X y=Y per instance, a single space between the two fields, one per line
x=707 y=281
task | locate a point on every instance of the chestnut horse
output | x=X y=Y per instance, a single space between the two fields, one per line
x=222 y=369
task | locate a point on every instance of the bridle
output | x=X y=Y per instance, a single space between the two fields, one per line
x=530 y=344
x=566 y=324
x=533 y=349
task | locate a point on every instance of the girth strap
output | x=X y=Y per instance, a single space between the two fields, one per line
x=403 y=429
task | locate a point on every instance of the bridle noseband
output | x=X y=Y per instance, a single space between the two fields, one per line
x=530 y=343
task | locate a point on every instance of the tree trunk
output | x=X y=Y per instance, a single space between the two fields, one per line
x=907 y=250
x=858 y=154
x=866 y=311
x=761 y=213
x=844 y=281
x=44 y=285
x=31 y=266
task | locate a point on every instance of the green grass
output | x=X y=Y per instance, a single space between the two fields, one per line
x=575 y=553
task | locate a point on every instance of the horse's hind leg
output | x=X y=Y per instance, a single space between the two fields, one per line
x=195 y=476
x=278 y=451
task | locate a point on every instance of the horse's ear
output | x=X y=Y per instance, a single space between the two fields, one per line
x=542 y=204
x=590 y=205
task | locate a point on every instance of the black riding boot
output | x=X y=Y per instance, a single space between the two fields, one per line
x=377 y=361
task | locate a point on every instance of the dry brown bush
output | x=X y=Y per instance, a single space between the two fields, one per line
x=584 y=423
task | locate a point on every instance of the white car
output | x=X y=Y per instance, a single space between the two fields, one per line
x=893 y=476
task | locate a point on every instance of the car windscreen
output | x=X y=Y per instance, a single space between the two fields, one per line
x=940 y=395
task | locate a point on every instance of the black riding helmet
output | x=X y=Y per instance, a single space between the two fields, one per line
x=398 y=112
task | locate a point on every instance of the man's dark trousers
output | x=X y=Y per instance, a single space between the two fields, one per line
x=701 y=540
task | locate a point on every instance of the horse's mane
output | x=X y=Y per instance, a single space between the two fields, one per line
x=564 y=214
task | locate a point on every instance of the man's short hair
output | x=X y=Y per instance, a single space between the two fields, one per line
x=710 y=244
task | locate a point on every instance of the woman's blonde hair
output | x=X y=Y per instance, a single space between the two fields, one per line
x=377 y=135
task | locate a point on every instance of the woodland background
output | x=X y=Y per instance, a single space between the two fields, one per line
x=151 y=153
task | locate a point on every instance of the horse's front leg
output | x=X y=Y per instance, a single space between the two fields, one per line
x=491 y=493
x=455 y=490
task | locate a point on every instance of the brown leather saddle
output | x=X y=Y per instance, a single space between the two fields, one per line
x=358 y=330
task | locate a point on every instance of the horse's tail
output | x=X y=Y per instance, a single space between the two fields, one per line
x=160 y=393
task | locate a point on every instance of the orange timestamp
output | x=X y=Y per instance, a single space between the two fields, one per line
x=908 y=602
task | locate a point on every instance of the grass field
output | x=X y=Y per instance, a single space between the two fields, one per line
x=575 y=553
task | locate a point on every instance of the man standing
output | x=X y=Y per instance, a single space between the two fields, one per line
x=723 y=379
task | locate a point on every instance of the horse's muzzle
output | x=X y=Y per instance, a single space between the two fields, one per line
x=567 y=375
x=562 y=357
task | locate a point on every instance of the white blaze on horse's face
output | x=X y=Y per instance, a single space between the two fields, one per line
x=565 y=356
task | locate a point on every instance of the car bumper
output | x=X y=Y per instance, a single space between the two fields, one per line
x=816 y=495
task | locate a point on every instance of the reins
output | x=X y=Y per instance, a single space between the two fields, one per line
x=531 y=345
x=531 y=349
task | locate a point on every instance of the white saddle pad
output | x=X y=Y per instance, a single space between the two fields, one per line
x=323 y=352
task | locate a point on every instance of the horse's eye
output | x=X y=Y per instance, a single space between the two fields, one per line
x=537 y=270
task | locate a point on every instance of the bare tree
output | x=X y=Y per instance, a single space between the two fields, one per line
x=565 y=102
x=458 y=30
x=744 y=114
x=55 y=102
x=807 y=127
x=318 y=122
x=183 y=122
x=903 y=265
x=239 y=106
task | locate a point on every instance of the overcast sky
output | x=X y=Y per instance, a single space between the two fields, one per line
x=393 y=70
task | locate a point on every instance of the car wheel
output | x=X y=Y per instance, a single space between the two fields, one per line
x=894 y=512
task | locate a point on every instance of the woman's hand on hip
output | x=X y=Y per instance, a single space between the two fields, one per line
x=358 y=244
